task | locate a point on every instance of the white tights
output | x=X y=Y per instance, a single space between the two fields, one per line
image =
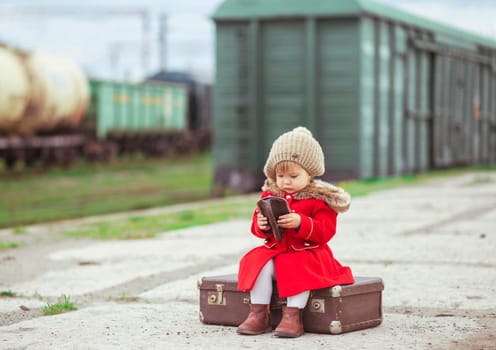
x=262 y=290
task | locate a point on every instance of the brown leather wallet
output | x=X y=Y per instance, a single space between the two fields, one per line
x=272 y=207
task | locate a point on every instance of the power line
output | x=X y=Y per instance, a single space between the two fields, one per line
x=17 y=12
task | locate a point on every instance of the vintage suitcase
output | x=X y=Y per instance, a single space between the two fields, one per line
x=333 y=310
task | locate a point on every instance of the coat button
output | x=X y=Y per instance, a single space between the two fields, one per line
x=306 y=244
x=288 y=197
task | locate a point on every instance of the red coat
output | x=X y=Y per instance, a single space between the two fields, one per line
x=303 y=260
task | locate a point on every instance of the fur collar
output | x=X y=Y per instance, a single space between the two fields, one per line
x=335 y=197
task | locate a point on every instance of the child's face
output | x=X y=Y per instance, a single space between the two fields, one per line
x=291 y=178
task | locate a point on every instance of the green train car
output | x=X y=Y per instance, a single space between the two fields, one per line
x=384 y=91
x=125 y=117
x=117 y=107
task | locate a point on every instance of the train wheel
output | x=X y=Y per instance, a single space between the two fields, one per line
x=58 y=156
x=160 y=147
x=69 y=155
x=110 y=151
x=30 y=158
x=47 y=158
x=10 y=160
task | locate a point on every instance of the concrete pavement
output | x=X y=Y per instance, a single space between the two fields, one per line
x=433 y=244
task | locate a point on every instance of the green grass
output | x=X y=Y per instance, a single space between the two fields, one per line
x=7 y=294
x=20 y=230
x=87 y=190
x=136 y=227
x=9 y=245
x=64 y=304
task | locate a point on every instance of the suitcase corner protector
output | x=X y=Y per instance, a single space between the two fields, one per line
x=336 y=291
x=335 y=327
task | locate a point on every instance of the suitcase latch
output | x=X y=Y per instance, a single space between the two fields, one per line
x=317 y=305
x=218 y=297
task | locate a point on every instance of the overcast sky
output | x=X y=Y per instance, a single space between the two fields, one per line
x=111 y=45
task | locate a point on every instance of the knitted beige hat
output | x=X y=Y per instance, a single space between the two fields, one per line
x=297 y=146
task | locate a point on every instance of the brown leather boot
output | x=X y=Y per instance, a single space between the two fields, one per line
x=291 y=325
x=257 y=322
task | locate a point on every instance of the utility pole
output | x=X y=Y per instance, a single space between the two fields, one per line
x=145 y=50
x=162 y=36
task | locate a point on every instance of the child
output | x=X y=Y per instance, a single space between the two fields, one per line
x=302 y=261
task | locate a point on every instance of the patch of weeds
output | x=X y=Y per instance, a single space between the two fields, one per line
x=480 y=180
x=186 y=215
x=113 y=230
x=138 y=227
x=7 y=294
x=127 y=298
x=137 y=235
x=64 y=304
x=20 y=230
x=9 y=245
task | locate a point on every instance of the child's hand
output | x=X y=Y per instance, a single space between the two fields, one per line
x=291 y=220
x=262 y=222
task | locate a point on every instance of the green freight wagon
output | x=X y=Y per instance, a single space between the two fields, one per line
x=120 y=107
x=148 y=117
x=385 y=92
